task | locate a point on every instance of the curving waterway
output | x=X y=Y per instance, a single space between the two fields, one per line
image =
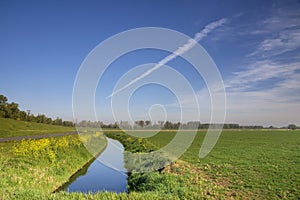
x=105 y=173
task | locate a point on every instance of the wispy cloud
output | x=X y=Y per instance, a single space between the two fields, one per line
x=281 y=30
x=276 y=55
x=261 y=71
x=181 y=50
x=274 y=61
x=279 y=105
x=287 y=40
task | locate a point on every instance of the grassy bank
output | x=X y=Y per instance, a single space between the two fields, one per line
x=13 y=128
x=132 y=144
x=33 y=169
x=177 y=181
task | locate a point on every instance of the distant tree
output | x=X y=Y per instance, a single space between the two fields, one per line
x=114 y=126
x=193 y=125
x=12 y=110
x=140 y=123
x=148 y=123
x=41 y=118
x=204 y=126
x=124 y=125
x=168 y=125
x=23 y=115
x=177 y=125
x=252 y=127
x=292 y=126
x=3 y=99
x=31 y=118
x=231 y=126
x=28 y=114
x=48 y=120
x=82 y=123
x=57 y=121
x=99 y=124
x=161 y=123
x=68 y=123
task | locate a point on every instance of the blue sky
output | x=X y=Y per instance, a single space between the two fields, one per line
x=257 y=50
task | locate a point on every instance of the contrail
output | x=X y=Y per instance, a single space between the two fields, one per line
x=190 y=44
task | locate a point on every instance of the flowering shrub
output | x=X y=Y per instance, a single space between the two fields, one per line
x=45 y=146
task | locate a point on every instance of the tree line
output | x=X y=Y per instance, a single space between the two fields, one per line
x=147 y=124
x=12 y=111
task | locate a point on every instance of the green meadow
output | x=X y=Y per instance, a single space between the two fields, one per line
x=244 y=164
x=260 y=164
x=14 y=128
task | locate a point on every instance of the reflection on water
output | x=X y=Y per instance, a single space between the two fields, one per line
x=106 y=173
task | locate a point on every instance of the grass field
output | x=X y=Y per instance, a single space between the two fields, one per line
x=13 y=128
x=245 y=164
x=255 y=164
